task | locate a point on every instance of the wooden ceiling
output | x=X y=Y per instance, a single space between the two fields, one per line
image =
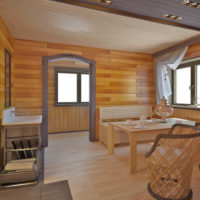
x=50 y=21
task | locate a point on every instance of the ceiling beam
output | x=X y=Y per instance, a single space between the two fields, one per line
x=124 y=13
x=188 y=42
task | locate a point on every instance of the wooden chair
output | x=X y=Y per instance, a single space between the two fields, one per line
x=170 y=162
x=179 y=129
x=197 y=124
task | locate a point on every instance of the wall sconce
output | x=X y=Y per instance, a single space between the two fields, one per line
x=106 y=2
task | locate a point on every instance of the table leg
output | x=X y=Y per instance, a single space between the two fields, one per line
x=133 y=154
x=110 y=139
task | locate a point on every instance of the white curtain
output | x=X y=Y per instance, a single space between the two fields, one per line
x=162 y=64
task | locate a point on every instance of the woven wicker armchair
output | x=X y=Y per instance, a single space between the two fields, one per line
x=180 y=129
x=197 y=124
x=170 y=162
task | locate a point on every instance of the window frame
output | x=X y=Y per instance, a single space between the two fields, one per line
x=8 y=92
x=193 y=65
x=69 y=70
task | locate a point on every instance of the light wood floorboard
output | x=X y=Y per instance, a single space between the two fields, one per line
x=95 y=175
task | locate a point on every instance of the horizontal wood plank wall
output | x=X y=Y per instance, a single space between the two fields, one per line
x=122 y=78
x=64 y=118
x=193 y=51
x=187 y=114
x=6 y=41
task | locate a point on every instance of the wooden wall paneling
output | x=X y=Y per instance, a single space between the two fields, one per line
x=193 y=51
x=189 y=42
x=28 y=76
x=6 y=41
x=117 y=77
x=121 y=78
x=187 y=114
x=29 y=56
x=65 y=118
x=134 y=66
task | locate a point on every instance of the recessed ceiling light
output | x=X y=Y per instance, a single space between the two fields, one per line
x=185 y=2
x=192 y=4
x=174 y=17
x=107 y=2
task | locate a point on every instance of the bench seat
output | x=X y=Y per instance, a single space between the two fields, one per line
x=120 y=113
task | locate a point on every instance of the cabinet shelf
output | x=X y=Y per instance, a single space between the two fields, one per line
x=25 y=149
x=21 y=143
x=21 y=138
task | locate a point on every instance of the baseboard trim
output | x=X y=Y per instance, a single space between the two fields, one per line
x=67 y=132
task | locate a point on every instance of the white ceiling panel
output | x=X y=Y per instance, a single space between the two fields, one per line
x=44 y=20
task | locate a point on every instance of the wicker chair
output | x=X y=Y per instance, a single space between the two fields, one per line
x=170 y=162
x=197 y=124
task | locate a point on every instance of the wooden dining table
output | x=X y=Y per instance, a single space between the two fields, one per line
x=139 y=135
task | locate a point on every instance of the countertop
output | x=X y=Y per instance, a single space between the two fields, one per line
x=23 y=120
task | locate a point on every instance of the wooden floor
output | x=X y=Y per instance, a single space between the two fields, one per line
x=58 y=190
x=95 y=175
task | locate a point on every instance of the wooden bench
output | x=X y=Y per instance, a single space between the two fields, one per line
x=120 y=113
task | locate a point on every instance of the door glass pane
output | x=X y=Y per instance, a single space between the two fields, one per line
x=85 y=88
x=183 y=83
x=67 y=87
x=198 y=84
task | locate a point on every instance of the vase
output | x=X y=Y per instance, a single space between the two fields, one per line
x=163 y=110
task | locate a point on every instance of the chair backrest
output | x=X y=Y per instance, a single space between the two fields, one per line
x=197 y=124
x=123 y=112
x=178 y=131
x=183 y=129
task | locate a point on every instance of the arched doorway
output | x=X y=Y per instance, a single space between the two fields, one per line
x=92 y=103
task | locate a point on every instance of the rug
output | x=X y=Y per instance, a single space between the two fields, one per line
x=52 y=191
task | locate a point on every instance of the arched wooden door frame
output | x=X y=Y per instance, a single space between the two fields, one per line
x=92 y=103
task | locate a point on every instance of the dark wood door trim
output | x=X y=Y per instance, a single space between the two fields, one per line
x=92 y=104
x=8 y=92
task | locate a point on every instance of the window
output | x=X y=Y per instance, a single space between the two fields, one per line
x=186 y=84
x=85 y=87
x=67 y=87
x=183 y=84
x=71 y=86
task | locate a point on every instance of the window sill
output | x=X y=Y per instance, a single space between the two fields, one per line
x=190 y=107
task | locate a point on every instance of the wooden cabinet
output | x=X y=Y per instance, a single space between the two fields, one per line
x=22 y=148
